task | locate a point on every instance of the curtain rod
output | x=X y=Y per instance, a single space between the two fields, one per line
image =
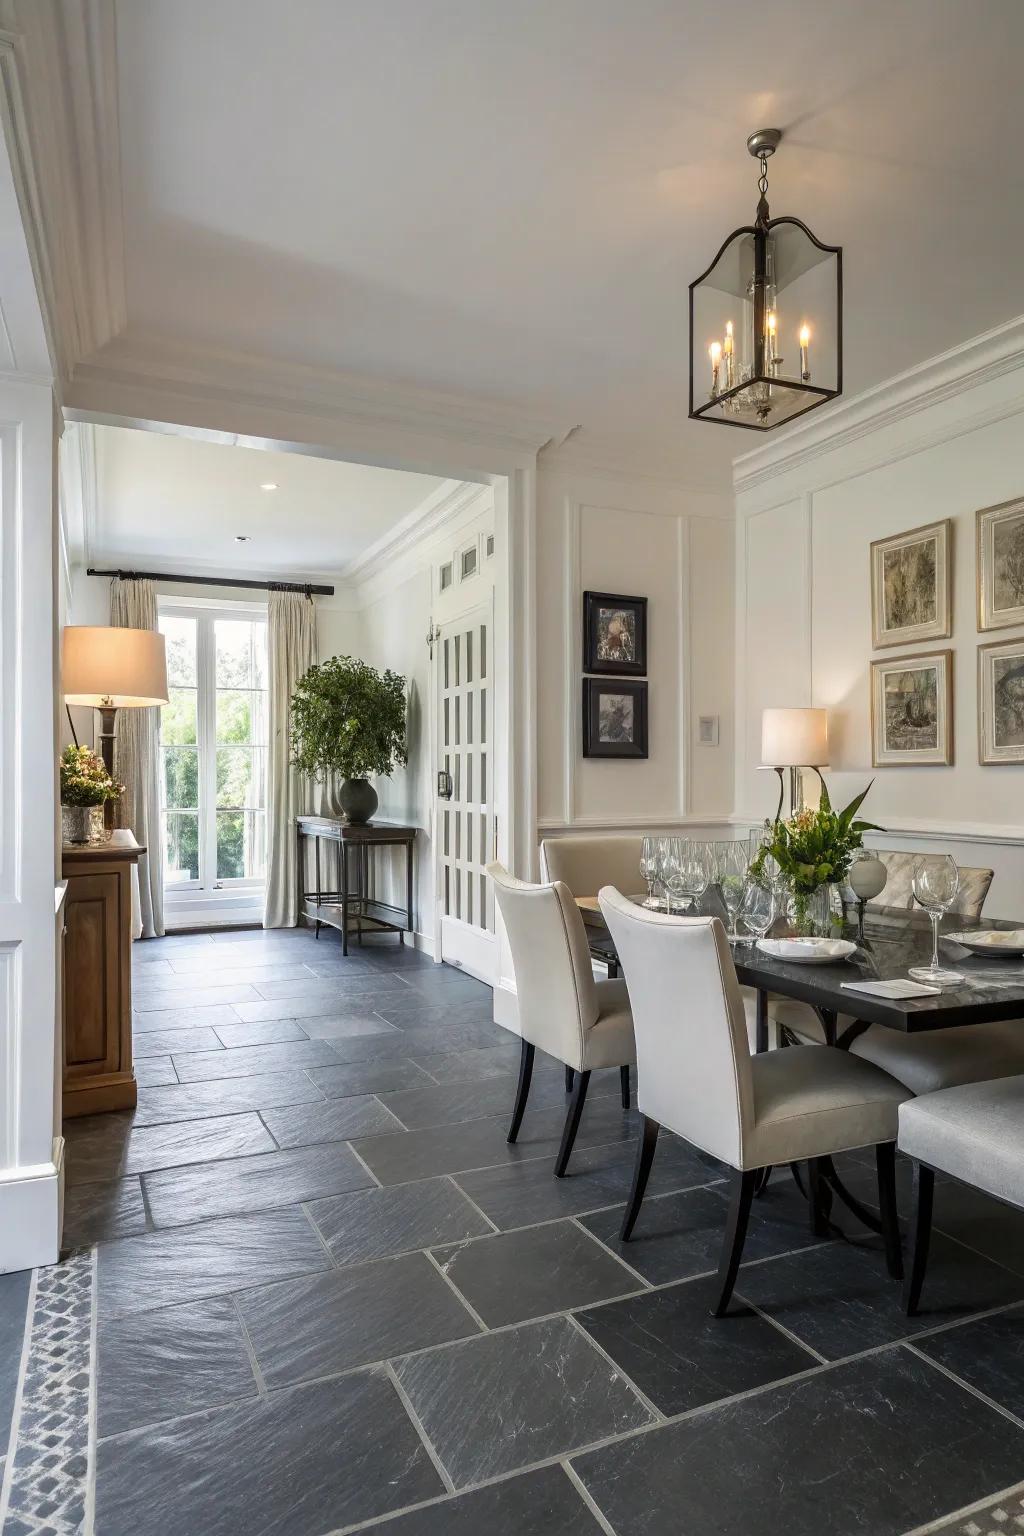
x=310 y=589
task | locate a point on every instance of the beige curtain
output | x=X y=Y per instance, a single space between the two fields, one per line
x=291 y=651
x=137 y=761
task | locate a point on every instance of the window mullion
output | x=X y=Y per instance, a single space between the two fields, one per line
x=207 y=753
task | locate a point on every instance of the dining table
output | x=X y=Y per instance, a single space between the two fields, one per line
x=895 y=938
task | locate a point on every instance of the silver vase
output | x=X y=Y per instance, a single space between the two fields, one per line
x=82 y=823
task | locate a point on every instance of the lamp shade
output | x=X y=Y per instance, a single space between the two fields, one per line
x=125 y=668
x=794 y=738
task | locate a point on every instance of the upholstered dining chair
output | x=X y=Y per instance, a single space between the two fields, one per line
x=696 y=1076
x=584 y=864
x=582 y=1022
x=976 y=1134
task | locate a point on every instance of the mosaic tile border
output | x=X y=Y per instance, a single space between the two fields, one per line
x=50 y=1470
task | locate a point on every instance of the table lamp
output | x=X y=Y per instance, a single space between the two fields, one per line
x=794 y=739
x=112 y=669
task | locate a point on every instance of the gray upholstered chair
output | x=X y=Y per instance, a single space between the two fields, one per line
x=582 y=1022
x=697 y=1077
x=975 y=1133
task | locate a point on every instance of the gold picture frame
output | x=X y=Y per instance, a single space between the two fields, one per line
x=912 y=711
x=1000 y=703
x=912 y=586
x=999 y=565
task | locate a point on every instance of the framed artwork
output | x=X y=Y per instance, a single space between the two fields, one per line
x=614 y=718
x=911 y=586
x=1001 y=702
x=1000 y=565
x=912 y=711
x=614 y=634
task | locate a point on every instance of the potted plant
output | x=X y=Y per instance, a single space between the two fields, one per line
x=349 y=719
x=813 y=850
x=85 y=788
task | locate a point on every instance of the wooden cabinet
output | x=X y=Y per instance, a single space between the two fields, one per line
x=98 y=1071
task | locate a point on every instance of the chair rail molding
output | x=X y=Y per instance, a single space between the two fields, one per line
x=863 y=418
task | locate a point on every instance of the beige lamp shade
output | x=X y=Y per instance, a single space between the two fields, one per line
x=122 y=668
x=794 y=738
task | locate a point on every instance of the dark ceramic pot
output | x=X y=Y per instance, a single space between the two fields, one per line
x=358 y=800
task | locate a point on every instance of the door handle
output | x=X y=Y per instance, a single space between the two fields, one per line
x=444 y=785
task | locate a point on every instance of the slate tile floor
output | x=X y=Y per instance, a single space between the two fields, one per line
x=331 y=1298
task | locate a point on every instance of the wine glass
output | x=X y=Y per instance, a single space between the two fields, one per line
x=695 y=871
x=649 y=867
x=757 y=907
x=731 y=876
x=936 y=882
x=671 y=869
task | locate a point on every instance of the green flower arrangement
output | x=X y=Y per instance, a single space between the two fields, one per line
x=348 y=718
x=84 y=780
x=815 y=848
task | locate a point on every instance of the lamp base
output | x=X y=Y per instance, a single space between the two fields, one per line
x=108 y=726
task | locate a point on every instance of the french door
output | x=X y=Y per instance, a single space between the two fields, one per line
x=464 y=820
x=213 y=753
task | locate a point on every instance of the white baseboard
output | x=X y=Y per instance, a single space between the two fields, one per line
x=32 y=1213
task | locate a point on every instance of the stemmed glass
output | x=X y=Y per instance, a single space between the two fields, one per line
x=670 y=869
x=650 y=867
x=695 y=871
x=936 y=882
x=731 y=876
x=757 y=908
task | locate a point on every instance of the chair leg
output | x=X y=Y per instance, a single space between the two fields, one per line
x=624 y=1084
x=569 y=1076
x=741 y=1195
x=920 y=1237
x=641 y=1173
x=572 y=1122
x=885 y=1161
x=819 y=1226
x=523 y=1090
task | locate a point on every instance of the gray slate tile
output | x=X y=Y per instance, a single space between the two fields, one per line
x=161 y=1042
x=154 y=1071
x=514 y=1276
x=497 y=1060
x=198 y=1101
x=359 y=1011
x=96 y=1211
x=448 y=1103
x=253 y=1061
x=158 y=1269
x=14 y=1290
x=304 y=1125
x=806 y=1457
x=108 y=1147
x=159 y=1365
x=401 y=1043
x=334 y=989
x=498 y=1402
x=988 y=1354
x=375 y=1223
x=181 y=1018
x=268 y=1467
x=539 y=1503
x=233 y=972
x=148 y=999
x=271 y=1033
x=343 y=1082
x=246 y=1184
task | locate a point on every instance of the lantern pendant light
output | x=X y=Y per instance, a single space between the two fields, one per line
x=766 y=319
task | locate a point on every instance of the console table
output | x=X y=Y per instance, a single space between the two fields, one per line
x=348 y=903
x=98 y=1070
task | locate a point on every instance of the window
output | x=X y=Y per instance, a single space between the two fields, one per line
x=213 y=748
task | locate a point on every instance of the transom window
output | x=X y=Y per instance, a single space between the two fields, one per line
x=213 y=747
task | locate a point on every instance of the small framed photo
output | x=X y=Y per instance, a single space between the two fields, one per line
x=614 y=634
x=912 y=711
x=1000 y=565
x=614 y=718
x=1001 y=702
x=911 y=586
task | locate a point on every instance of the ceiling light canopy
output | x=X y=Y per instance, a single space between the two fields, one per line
x=766 y=319
x=269 y=485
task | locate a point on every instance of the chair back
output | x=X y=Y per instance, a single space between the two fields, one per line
x=555 y=987
x=899 y=887
x=692 y=1052
x=584 y=864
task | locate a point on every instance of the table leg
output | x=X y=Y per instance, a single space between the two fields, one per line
x=343 y=871
x=300 y=876
x=316 y=860
x=408 y=891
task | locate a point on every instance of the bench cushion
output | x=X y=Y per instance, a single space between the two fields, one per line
x=976 y=1133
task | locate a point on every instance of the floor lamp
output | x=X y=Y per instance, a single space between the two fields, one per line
x=795 y=739
x=111 y=669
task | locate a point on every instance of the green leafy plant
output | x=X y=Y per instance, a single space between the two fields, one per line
x=84 y=780
x=348 y=718
x=815 y=848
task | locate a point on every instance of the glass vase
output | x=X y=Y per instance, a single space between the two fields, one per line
x=817 y=914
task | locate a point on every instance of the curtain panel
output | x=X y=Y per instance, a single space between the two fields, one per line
x=137 y=760
x=291 y=651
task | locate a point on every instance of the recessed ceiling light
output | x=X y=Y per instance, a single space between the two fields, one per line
x=241 y=538
x=269 y=485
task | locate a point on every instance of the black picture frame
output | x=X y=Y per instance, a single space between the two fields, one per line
x=594 y=690
x=594 y=605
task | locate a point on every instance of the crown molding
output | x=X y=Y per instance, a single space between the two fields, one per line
x=981 y=360
x=179 y=371
x=441 y=508
x=628 y=462
x=61 y=56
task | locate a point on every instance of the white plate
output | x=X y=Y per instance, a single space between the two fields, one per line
x=992 y=941
x=808 y=951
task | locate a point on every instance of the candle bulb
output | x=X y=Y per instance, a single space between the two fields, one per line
x=772 y=328
x=728 y=349
x=805 y=341
x=715 y=354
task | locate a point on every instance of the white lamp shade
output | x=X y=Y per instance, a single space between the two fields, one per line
x=794 y=738
x=126 y=668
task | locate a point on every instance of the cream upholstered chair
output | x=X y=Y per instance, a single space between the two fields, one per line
x=975 y=1133
x=584 y=864
x=582 y=1022
x=697 y=1077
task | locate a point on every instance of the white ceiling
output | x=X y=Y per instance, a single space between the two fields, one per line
x=510 y=199
x=175 y=503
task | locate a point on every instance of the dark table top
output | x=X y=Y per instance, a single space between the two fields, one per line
x=349 y=832
x=894 y=940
